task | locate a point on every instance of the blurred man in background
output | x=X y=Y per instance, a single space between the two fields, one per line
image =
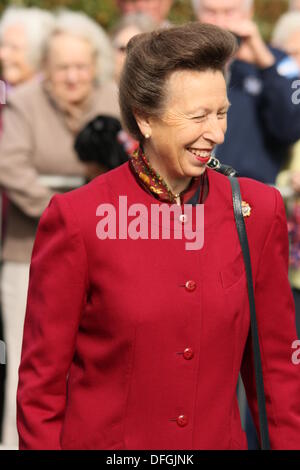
x=157 y=9
x=286 y=35
x=263 y=121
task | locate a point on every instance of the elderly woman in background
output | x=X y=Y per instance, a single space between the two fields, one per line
x=37 y=159
x=131 y=334
x=286 y=35
x=23 y=35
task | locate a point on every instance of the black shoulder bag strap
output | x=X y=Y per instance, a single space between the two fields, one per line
x=241 y=228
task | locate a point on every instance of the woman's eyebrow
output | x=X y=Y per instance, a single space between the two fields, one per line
x=205 y=110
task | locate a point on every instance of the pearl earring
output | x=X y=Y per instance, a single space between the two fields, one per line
x=147 y=136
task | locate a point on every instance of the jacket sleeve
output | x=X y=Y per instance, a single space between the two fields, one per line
x=281 y=116
x=56 y=298
x=18 y=176
x=277 y=331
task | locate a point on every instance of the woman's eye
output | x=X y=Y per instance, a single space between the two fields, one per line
x=223 y=114
x=199 y=118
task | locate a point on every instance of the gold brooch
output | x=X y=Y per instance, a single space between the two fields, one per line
x=246 y=209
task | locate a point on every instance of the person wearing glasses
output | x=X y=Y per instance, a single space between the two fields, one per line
x=127 y=27
x=158 y=10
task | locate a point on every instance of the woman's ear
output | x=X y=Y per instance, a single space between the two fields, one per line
x=143 y=122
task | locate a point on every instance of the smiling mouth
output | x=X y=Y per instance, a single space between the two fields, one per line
x=201 y=155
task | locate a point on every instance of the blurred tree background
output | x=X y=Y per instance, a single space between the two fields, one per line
x=106 y=13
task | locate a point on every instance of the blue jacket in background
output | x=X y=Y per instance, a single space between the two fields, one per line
x=263 y=121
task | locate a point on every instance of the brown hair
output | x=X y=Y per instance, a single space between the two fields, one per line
x=152 y=57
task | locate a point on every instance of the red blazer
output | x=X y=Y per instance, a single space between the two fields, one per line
x=120 y=351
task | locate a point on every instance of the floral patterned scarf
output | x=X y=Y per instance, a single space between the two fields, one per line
x=152 y=182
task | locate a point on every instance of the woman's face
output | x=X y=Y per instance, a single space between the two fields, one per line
x=157 y=9
x=70 y=68
x=193 y=122
x=14 y=56
x=119 y=43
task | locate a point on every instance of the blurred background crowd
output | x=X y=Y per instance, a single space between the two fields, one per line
x=60 y=63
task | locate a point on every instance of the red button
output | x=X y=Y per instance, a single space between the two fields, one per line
x=190 y=286
x=182 y=420
x=188 y=354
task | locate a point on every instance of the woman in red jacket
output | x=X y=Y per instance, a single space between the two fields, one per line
x=135 y=332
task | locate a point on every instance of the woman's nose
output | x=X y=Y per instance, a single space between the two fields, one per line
x=215 y=130
x=72 y=75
